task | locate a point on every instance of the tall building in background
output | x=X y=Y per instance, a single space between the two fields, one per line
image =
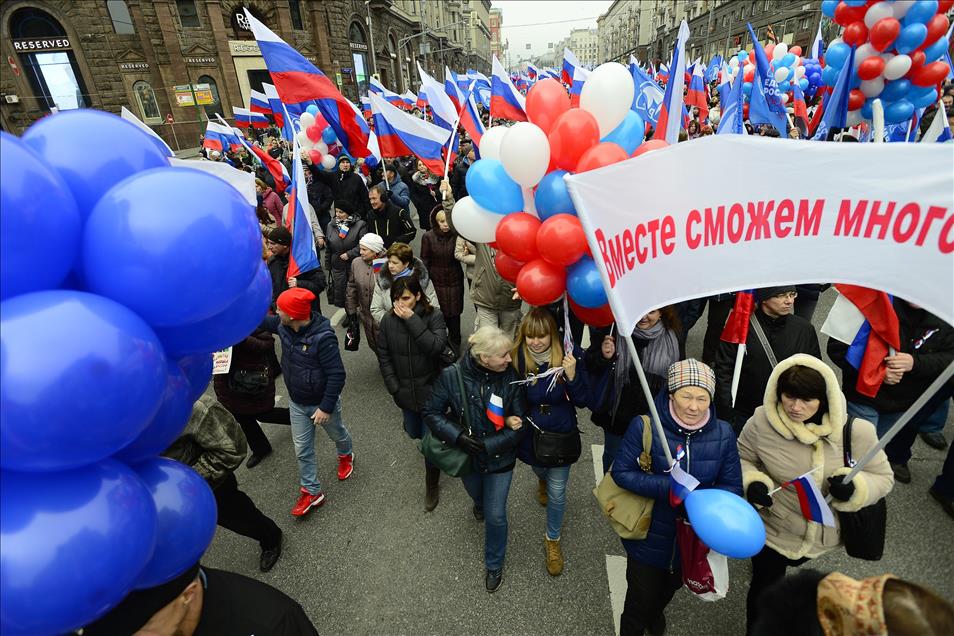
x=626 y=29
x=497 y=46
x=585 y=44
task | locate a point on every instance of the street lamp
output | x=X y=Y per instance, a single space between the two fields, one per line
x=408 y=38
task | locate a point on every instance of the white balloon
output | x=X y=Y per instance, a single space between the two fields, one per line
x=733 y=61
x=901 y=7
x=878 y=11
x=780 y=50
x=304 y=141
x=321 y=147
x=872 y=87
x=897 y=67
x=608 y=95
x=784 y=98
x=328 y=162
x=525 y=153
x=863 y=52
x=835 y=41
x=800 y=72
x=490 y=141
x=781 y=74
x=854 y=117
x=749 y=67
x=307 y=120
x=473 y=222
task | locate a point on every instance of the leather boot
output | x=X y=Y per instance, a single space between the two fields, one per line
x=432 y=475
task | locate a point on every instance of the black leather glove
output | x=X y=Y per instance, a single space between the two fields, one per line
x=840 y=490
x=470 y=445
x=757 y=493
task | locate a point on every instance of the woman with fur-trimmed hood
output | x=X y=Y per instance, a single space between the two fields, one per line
x=798 y=429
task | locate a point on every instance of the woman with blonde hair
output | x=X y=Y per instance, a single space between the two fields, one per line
x=495 y=407
x=551 y=409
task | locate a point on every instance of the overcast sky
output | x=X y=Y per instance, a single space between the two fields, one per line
x=557 y=16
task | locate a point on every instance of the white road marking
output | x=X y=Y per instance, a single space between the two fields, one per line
x=615 y=565
x=337 y=317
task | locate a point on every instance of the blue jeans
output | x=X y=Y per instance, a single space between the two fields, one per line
x=489 y=491
x=303 y=434
x=610 y=448
x=556 y=479
x=882 y=421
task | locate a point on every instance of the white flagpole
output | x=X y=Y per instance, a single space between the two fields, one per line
x=877 y=121
x=813 y=470
x=737 y=371
x=450 y=142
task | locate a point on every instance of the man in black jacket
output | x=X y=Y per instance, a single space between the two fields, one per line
x=786 y=333
x=459 y=175
x=279 y=244
x=345 y=185
x=927 y=347
x=387 y=220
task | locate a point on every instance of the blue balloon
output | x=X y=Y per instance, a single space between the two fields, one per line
x=169 y=421
x=803 y=84
x=866 y=111
x=198 y=371
x=92 y=151
x=910 y=38
x=788 y=59
x=920 y=12
x=726 y=522
x=492 y=188
x=747 y=88
x=784 y=87
x=551 y=197
x=855 y=3
x=895 y=90
x=371 y=161
x=328 y=135
x=830 y=76
x=923 y=99
x=936 y=50
x=225 y=328
x=82 y=377
x=898 y=111
x=837 y=55
x=312 y=109
x=828 y=7
x=174 y=245
x=743 y=56
x=185 y=522
x=584 y=284
x=39 y=222
x=74 y=543
x=629 y=134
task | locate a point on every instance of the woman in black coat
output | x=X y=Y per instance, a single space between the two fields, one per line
x=342 y=236
x=411 y=338
x=425 y=194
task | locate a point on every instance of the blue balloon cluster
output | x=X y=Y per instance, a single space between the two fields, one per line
x=119 y=275
x=492 y=188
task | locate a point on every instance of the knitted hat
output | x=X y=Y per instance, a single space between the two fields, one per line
x=296 y=302
x=280 y=235
x=372 y=242
x=768 y=292
x=850 y=606
x=691 y=372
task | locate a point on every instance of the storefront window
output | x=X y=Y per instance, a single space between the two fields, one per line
x=147 y=102
x=359 y=56
x=53 y=74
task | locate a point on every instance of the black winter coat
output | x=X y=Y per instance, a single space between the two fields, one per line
x=392 y=224
x=254 y=353
x=459 y=180
x=312 y=280
x=408 y=352
x=926 y=337
x=442 y=413
x=787 y=335
x=346 y=186
x=425 y=198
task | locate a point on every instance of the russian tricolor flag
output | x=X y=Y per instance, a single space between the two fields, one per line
x=668 y=122
x=451 y=88
x=258 y=103
x=442 y=108
x=470 y=118
x=940 y=129
x=421 y=100
x=245 y=118
x=570 y=63
x=696 y=95
x=400 y=134
x=532 y=72
x=506 y=102
x=377 y=264
x=408 y=98
x=580 y=76
x=277 y=111
x=495 y=411
x=302 y=257
x=220 y=138
x=375 y=86
x=681 y=483
x=297 y=80
x=366 y=107
x=811 y=500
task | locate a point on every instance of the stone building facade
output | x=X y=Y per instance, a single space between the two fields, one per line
x=175 y=63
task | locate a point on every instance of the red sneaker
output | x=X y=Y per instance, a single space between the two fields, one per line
x=307 y=501
x=345 y=466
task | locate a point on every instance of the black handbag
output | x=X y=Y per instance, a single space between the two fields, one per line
x=249 y=381
x=448 y=457
x=863 y=531
x=551 y=449
x=352 y=334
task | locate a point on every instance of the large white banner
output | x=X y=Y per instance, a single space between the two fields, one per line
x=724 y=213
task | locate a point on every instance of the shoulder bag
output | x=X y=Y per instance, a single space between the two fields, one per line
x=447 y=457
x=249 y=381
x=552 y=449
x=863 y=531
x=628 y=513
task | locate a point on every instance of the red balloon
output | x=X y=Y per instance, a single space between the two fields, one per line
x=884 y=32
x=856 y=99
x=871 y=67
x=507 y=267
x=795 y=50
x=546 y=101
x=596 y=317
x=917 y=63
x=936 y=27
x=652 y=144
x=769 y=49
x=517 y=236
x=745 y=111
x=752 y=56
x=600 y=155
x=845 y=15
x=748 y=75
x=573 y=133
x=930 y=74
x=855 y=34
x=314 y=133
x=541 y=283
x=561 y=240
x=315 y=156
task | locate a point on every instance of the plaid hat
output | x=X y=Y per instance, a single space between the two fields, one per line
x=280 y=235
x=691 y=372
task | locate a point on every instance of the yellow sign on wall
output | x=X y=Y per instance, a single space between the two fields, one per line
x=203 y=94
x=184 y=95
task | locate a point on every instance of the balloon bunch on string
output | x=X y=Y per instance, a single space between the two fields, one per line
x=786 y=65
x=898 y=50
x=519 y=201
x=318 y=139
x=119 y=275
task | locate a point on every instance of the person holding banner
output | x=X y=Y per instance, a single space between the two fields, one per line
x=688 y=417
x=798 y=433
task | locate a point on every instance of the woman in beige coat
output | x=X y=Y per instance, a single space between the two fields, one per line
x=798 y=429
x=361 y=285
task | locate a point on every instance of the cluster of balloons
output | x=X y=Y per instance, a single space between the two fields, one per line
x=898 y=51
x=518 y=199
x=318 y=138
x=119 y=275
x=787 y=67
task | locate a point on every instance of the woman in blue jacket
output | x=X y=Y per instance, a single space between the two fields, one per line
x=551 y=407
x=653 y=571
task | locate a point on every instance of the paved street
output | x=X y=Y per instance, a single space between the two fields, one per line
x=371 y=561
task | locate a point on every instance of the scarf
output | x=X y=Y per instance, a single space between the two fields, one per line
x=406 y=272
x=344 y=227
x=662 y=349
x=688 y=427
x=541 y=358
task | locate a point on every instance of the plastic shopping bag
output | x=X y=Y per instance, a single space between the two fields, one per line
x=705 y=572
